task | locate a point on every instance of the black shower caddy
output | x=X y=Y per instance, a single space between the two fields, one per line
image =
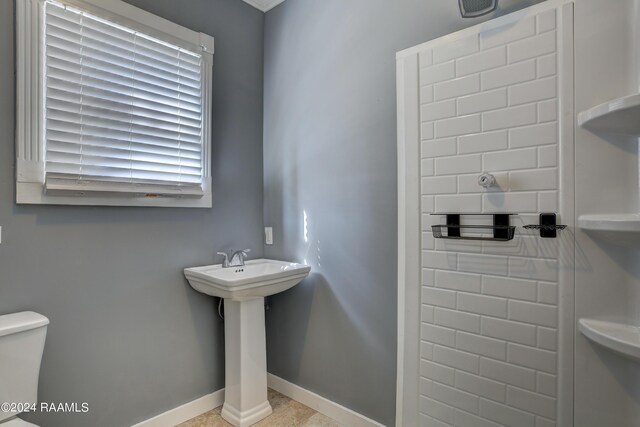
x=501 y=228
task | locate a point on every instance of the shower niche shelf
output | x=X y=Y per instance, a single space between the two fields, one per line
x=619 y=116
x=629 y=223
x=617 y=337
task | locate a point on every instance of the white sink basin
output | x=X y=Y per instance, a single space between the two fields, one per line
x=243 y=289
x=257 y=278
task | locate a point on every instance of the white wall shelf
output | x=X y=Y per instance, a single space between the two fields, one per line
x=610 y=222
x=618 y=337
x=619 y=116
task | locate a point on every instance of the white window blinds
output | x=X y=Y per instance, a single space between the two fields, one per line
x=123 y=111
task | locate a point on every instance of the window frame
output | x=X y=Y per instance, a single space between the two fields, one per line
x=30 y=103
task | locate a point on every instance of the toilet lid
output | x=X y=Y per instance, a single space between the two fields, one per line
x=16 y=422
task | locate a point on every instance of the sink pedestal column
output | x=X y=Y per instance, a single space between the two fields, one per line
x=245 y=395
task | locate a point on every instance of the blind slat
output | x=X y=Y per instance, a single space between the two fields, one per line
x=118 y=127
x=83 y=161
x=185 y=150
x=122 y=92
x=79 y=172
x=73 y=23
x=92 y=47
x=92 y=77
x=62 y=182
x=63 y=42
x=136 y=108
x=111 y=181
x=91 y=114
x=116 y=153
x=134 y=99
x=76 y=63
x=106 y=133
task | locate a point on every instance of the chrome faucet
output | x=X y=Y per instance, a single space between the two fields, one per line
x=237 y=258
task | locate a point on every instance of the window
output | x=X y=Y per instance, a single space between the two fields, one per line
x=112 y=106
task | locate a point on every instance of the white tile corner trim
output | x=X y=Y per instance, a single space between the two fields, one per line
x=263 y=5
x=211 y=401
x=485 y=328
x=321 y=404
x=185 y=412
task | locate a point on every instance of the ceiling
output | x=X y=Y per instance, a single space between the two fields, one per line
x=264 y=5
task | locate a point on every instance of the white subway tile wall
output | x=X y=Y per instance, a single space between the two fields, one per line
x=489 y=315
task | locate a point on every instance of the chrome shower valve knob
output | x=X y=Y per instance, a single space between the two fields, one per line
x=486 y=180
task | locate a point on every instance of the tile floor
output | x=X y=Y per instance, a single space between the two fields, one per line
x=286 y=413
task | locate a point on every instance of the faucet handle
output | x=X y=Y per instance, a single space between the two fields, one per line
x=225 y=262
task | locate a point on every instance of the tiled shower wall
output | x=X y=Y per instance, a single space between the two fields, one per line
x=489 y=318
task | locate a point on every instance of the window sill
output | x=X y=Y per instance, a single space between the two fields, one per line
x=33 y=194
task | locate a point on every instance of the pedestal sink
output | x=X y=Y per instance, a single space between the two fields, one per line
x=243 y=289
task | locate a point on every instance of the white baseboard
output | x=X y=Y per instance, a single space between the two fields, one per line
x=185 y=412
x=326 y=407
x=208 y=402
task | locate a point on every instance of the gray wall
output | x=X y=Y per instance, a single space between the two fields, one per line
x=330 y=152
x=127 y=334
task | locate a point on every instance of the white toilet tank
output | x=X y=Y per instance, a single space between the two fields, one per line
x=22 y=338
